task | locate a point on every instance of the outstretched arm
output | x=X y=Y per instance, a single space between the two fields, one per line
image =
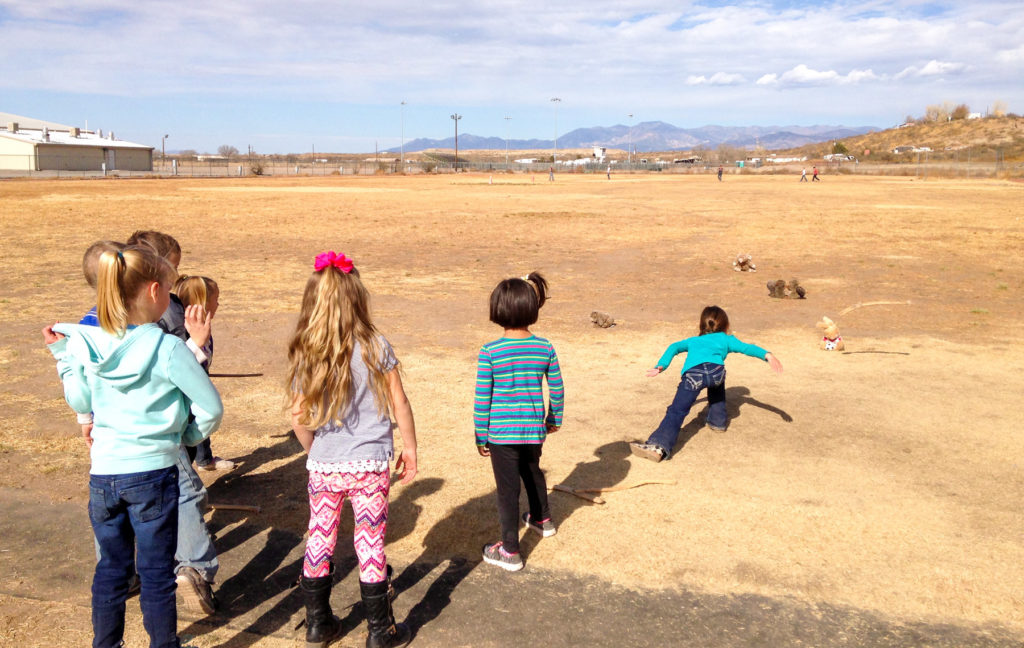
x=773 y=362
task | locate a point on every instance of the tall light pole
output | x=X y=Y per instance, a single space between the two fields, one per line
x=508 y=134
x=456 y=117
x=163 y=155
x=403 y=137
x=629 y=150
x=556 y=101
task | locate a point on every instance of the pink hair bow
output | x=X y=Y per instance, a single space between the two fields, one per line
x=339 y=261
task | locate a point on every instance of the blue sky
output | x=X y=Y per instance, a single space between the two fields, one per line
x=291 y=76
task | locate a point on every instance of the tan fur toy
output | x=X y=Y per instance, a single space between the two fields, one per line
x=744 y=263
x=831 y=340
x=779 y=289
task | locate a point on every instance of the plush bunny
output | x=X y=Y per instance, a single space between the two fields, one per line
x=744 y=263
x=831 y=340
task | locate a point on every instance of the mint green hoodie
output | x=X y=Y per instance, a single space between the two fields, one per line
x=140 y=389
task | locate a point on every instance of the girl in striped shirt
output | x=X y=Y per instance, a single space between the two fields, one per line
x=509 y=414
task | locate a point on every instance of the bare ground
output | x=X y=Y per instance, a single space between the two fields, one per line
x=877 y=489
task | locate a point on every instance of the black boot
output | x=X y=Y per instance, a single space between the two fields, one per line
x=384 y=632
x=322 y=627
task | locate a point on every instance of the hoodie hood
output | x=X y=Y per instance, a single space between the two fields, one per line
x=122 y=362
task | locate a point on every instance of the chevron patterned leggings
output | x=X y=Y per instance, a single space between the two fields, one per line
x=368 y=492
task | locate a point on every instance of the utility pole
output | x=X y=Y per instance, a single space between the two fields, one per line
x=403 y=137
x=163 y=155
x=507 y=136
x=554 y=156
x=456 y=117
x=629 y=150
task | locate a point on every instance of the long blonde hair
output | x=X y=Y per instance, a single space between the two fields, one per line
x=121 y=276
x=335 y=315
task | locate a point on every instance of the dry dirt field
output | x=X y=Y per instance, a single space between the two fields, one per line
x=888 y=477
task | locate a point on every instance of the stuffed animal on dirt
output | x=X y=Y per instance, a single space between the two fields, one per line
x=831 y=340
x=779 y=289
x=744 y=263
x=604 y=320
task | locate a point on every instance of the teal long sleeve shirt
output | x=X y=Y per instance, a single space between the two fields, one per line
x=712 y=348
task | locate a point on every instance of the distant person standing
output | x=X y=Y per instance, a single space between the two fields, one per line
x=719 y=172
x=551 y=173
x=803 y=175
x=608 y=172
x=814 y=175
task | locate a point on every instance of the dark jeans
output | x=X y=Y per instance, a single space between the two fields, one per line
x=201 y=454
x=512 y=463
x=706 y=375
x=129 y=511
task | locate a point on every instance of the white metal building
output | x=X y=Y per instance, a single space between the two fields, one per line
x=28 y=144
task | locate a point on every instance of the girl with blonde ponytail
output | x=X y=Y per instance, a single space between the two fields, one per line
x=138 y=383
x=344 y=387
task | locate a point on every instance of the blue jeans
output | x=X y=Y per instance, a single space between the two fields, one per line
x=129 y=511
x=706 y=375
x=195 y=546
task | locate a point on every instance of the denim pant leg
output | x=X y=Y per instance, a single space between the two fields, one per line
x=718 y=417
x=667 y=434
x=125 y=511
x=203 y=454
x=195 y=546
x=505 y=464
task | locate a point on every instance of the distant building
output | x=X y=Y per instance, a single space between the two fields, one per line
x=28 y=144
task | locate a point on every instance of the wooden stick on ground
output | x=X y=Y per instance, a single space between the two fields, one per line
x=593 y=494
x=873 y=303
x=249 y=508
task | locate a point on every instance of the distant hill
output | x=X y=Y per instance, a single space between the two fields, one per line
x=654 y=136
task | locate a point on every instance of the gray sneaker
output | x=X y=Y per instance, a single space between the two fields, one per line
x=195 y=591
x=647 y=451
x=495 y=555
x=546 y=528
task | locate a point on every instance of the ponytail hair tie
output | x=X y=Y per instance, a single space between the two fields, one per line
x=329 y=258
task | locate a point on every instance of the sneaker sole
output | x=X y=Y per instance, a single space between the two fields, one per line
x=193 y=600
x=539 y=531
x=504 y=565
x=645 y=453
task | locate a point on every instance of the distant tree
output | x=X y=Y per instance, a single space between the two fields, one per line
x=999 y=108
x=909 y=119
x=934 y=113
x=960 y=112
x=187 y=154
x=840 y=148
x=226 y=150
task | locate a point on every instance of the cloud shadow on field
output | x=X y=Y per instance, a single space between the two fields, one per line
x=735 y=399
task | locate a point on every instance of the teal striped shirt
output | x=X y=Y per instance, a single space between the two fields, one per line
x=508 y=407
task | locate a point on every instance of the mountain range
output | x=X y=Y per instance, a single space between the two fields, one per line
x=654 y=136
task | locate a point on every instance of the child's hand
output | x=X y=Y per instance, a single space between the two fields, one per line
x=651 y=373
x=405 y=467
x=87 y=433
x=198 y=324
x=773 y=362
x=484 y=452
x=50 y=336
x=553 y=428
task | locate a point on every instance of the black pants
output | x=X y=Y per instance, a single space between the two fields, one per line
x=512 y=463
x=201 y=454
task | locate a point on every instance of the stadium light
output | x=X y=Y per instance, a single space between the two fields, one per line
x=456 y=117
x=162 y=148
x=403 y=137
x=554 y=156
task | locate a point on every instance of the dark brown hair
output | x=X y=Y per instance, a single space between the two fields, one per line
x=91 y=258
x=164 y=245
x=713 y=320
x=516 y=302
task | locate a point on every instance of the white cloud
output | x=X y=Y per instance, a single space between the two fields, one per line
x=802 y=75
x=718 y=79
x=932 y=68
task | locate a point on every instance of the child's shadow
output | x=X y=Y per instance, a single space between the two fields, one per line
x=460 y=537
x=734 y=398
x=284 y=518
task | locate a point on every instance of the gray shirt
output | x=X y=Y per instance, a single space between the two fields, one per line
x=363 y=435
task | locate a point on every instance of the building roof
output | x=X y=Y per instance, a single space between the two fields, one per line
x=65 y=138
x=29 y=122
